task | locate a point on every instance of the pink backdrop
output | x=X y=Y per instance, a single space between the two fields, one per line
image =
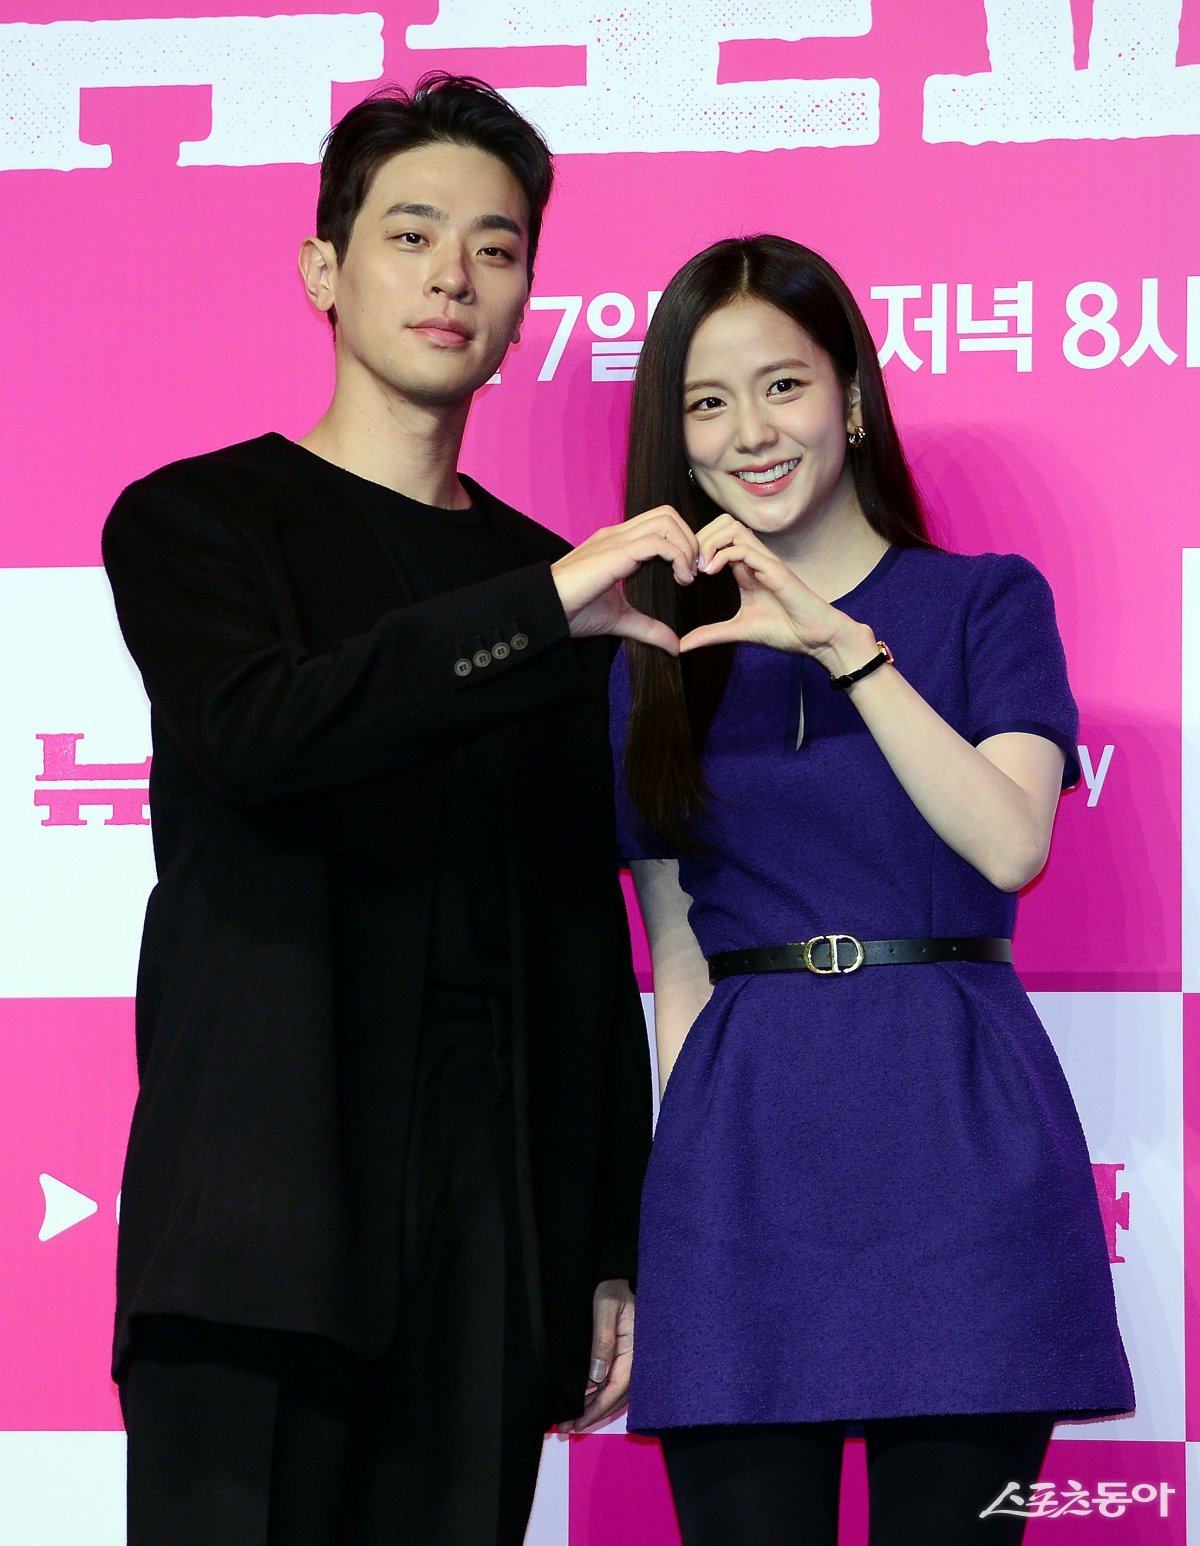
x=988 y=180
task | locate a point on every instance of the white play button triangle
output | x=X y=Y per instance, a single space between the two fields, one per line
x=64 y=1207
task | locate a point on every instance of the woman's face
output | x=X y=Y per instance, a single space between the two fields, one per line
x=765 y=420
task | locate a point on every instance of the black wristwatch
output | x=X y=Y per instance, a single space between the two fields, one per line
x=884 y=658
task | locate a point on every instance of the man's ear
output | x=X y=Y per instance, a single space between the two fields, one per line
x=318 y=269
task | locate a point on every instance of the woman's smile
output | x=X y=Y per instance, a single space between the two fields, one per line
x=763 y=481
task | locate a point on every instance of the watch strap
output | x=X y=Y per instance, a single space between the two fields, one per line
x=883 y=658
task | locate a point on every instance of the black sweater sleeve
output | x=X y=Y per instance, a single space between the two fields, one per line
x=260 y=717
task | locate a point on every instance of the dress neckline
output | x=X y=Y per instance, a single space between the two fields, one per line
x=872 y=577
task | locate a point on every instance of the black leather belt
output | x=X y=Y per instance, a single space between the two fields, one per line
x=836 y=955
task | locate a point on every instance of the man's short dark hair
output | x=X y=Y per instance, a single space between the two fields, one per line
x=440 y=109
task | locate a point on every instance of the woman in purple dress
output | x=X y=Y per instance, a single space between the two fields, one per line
x=869 y=1200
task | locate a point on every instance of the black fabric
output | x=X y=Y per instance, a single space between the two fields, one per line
x=253 y=1438
x=236 y=1436
x=929 y=1479
x=304 y=704
x=775 y=1485
x=434 y=551
x=457 y=1462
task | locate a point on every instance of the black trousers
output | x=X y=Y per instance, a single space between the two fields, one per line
x=929 y=1479
x=246 y=1437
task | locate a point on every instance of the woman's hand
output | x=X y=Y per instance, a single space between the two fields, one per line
x=777 y=608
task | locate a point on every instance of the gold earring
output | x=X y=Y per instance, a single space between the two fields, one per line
x=855 y=437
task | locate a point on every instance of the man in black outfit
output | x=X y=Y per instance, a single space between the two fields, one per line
x=380 y=1198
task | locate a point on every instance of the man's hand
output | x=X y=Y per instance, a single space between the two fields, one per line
x=589 y=578
x=612 y=1356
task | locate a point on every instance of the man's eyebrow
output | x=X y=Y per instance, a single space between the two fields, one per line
x=497 y=223
x=421 y=211
x=432 y=212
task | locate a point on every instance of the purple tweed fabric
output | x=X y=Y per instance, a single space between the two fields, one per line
x=869 y=1196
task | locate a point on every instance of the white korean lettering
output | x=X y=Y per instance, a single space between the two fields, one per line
x=610 y=301
x=895 y=344
x=1146 y=1492
x=1149 y=337
x=1013 y=302
x=615 y=362
x=936 y=324
x=1076 y=1501
x=270 y=79
x=652 y=73
x=1043 y=1501
x=1131 y=89
x=1010 y=1494
x=1112 y=1499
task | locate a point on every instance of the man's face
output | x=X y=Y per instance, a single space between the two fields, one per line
x=433 y=285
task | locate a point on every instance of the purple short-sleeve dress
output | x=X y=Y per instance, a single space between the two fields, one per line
x=869 y=1195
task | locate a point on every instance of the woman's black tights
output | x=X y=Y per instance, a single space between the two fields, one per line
x=929 y=1479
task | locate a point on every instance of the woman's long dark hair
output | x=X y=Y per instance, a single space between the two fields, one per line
x=675 y=700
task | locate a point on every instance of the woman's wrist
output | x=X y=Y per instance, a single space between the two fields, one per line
x=852 y=646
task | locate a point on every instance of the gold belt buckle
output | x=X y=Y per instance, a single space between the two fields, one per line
x=834 y=968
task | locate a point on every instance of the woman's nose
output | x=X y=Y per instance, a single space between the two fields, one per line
x=754 y=430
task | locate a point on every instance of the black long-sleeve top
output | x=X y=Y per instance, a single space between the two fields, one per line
x=310 y=697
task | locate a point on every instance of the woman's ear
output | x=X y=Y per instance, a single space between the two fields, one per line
x=853 y=407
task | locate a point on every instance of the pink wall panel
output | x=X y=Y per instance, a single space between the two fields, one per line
x=67 y=1081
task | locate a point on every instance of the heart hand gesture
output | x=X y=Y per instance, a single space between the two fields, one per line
x=777 y=608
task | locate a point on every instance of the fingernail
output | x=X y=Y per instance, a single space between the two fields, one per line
x=702 y=564
x=598 y=1371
